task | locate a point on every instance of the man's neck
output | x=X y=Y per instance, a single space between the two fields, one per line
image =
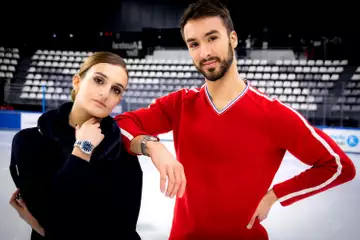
x=227 y=88
x=78 y=116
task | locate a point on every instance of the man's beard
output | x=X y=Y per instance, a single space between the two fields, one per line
x=211 y=74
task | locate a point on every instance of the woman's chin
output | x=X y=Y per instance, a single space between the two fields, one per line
x=98 y=113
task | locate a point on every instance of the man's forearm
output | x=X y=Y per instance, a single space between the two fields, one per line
x=135 y=144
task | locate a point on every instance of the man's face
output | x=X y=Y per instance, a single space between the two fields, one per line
x=210 y=46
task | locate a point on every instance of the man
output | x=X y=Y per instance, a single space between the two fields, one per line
x=230 y=140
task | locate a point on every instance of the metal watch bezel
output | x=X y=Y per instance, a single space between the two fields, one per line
x=144 y=141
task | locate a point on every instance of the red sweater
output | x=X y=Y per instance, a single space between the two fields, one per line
x=231 y=156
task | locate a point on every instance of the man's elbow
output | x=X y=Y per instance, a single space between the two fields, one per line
x=348 y=170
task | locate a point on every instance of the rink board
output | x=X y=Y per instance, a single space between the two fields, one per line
x=347 y=138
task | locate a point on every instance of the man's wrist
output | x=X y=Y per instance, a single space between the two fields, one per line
x=144 y=144
x=151 y=147
x=272 y=197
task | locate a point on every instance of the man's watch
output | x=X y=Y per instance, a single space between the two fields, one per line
x=85 y=146
x=144 y=142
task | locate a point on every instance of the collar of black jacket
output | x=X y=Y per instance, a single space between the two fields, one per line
x=54 y=126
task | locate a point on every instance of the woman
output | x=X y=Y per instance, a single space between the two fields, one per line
x=74 y=177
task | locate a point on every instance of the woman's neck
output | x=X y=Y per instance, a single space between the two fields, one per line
x=78 y=116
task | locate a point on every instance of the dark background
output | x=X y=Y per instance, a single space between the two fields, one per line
x=156 y=22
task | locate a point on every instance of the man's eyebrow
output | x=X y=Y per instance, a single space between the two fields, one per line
x=211 y=32
x=190 y=40
x=206 y=34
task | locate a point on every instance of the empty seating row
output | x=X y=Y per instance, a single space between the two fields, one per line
x=48 y=96
x=45 y=52
x=352 y=92
x=251 y=68
x=291 y=76
x=294 y=91
x=4 y=49
x=9 y=55
x=349 y=100
x=355 y=77
x=48 y=83
x=293 y=84
x=6 y=61
x=274 y=76
x=347 y=108
x=56 y=60
x=37 y=89
x=243 y=62
x=64 y=71
x=353 y=85
x=7 y=68
x=6 y=74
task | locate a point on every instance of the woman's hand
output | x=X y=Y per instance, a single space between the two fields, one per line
x=19 y=205
x=90 y=131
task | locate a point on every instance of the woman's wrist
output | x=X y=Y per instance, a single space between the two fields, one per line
x=37 y=227
x=77 y=152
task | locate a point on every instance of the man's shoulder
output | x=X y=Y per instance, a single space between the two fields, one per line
x=193 y=91
x=272 y=106
x=183 y=94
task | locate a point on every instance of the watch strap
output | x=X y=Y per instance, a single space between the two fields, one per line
x=144 y=142
x=79 y=144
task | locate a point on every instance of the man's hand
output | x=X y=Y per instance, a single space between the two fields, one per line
x=17 y=202
x=263 y=208
x=170 y=169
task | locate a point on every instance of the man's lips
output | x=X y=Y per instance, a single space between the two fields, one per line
x=209 y=62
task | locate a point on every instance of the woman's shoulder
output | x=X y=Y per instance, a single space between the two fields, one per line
x=26 y=138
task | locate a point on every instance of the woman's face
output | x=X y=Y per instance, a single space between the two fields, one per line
x=101 y=89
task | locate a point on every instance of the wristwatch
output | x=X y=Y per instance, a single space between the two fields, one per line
x=144 y=142
x=85 y=146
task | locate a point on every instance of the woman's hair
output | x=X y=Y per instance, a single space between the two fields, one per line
x=99 y=57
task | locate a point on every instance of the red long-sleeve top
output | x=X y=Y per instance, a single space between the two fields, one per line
x=231 y=156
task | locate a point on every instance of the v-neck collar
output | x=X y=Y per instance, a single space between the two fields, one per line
x=230 y=104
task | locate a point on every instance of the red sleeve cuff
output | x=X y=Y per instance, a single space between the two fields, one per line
x=280 y=191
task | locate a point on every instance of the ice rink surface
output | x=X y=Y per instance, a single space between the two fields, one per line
x=332 y=215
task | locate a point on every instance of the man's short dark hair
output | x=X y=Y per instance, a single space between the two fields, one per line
x=206 y=8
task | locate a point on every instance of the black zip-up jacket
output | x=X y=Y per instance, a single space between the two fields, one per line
x=70 y=197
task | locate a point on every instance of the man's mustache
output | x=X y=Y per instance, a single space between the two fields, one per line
x=209 y=59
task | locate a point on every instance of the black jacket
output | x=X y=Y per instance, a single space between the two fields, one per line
x=70 y=197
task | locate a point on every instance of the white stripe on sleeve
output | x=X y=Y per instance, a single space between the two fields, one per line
x=321 y=140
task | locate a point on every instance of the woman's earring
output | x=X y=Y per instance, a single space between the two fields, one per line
x=73 y=94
